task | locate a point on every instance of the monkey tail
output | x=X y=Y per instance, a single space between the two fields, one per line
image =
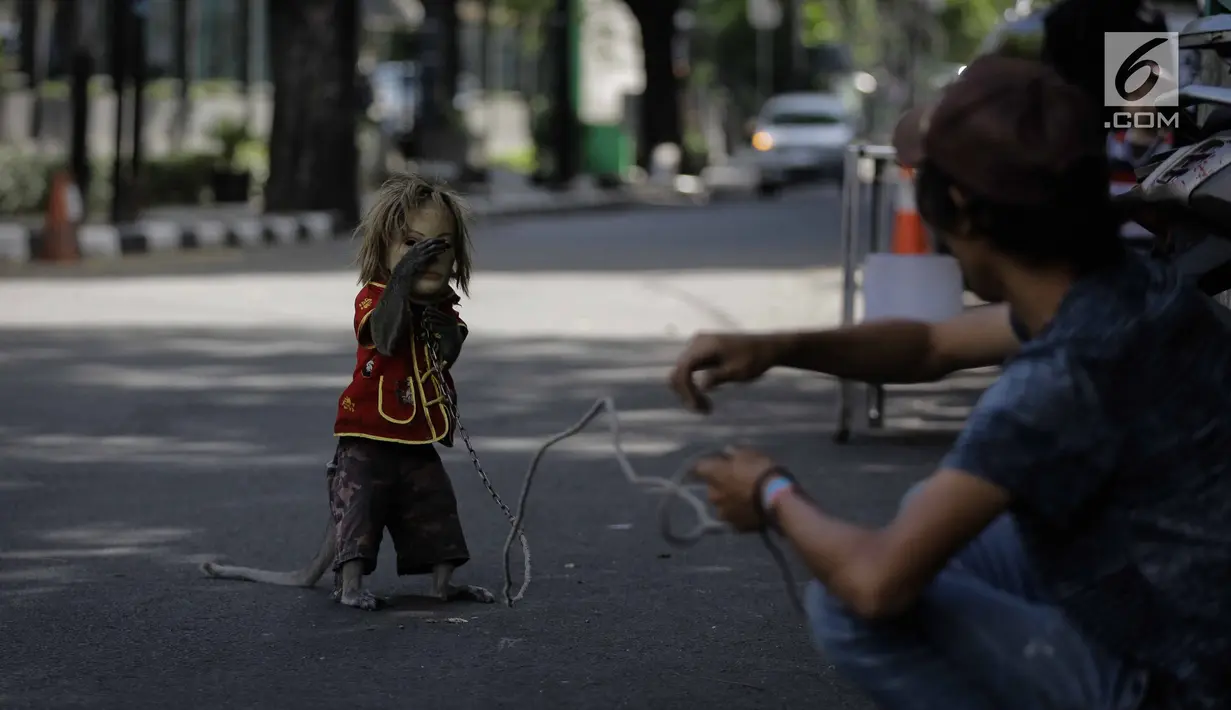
x=306 y=577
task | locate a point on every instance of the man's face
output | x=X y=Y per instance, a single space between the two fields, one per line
x=430 y=222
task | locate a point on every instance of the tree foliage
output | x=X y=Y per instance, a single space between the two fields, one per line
x=868 y=27
x=863 y=24
x=872 y=33
x=529 y=7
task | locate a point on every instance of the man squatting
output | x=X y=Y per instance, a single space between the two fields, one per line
x=1073 y=550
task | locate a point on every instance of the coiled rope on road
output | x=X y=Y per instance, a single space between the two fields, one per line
x=673 y=489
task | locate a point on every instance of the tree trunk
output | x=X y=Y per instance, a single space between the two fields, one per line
x=660 y=104
x=788 y=64
x=313 y=158
x=433 y=46
x=44 y=17
x=486 y=91
x=185 y=68
x=566 y=131
x=485 y=49
x=245 y=57
x=452 y=50
x=518 y=70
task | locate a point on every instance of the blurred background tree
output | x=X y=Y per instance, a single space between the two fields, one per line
x=313 y=159
x=320 y=84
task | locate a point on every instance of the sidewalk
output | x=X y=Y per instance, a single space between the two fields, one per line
x=195 y=227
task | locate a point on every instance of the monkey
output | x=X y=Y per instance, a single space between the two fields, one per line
x=386 y=472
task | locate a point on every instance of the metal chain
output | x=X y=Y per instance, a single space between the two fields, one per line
x=438 y=367
x=674 y=488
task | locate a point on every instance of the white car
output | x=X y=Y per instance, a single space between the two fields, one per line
x=799 y=136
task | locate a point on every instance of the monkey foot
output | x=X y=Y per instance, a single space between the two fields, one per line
x=361 y=599
x=469 y=593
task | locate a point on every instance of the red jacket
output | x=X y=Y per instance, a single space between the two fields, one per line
x=398 y=398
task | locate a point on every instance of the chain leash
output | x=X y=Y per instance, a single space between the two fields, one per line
x=673 y=489
x=515 y=531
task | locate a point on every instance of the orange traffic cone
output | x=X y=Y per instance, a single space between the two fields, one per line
x=909 y=234
x=60 y=227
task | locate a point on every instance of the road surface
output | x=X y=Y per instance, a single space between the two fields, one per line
x=160 y=412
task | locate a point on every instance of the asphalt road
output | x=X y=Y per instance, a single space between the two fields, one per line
x=165 y=411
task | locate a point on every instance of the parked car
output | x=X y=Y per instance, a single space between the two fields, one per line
x=801 y=136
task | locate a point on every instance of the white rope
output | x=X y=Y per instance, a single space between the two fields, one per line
x=674 y=489
x=706 y=525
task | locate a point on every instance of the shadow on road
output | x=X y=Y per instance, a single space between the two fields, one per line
x=131 y=456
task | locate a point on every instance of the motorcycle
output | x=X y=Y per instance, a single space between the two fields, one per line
x=1182 y=195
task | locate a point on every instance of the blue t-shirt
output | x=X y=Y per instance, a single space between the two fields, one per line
x=1111 y=430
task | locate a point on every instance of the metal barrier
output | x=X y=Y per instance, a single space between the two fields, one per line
x=869 y=181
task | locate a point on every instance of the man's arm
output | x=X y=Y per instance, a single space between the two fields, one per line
x=902 y=351
x=881 y=572
x=1038 y=438
x=887 y=351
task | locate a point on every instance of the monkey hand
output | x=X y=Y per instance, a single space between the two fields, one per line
x=448 y=333
x=417 y=258
x=392 y=316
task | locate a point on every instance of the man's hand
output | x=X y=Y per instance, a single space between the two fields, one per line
x=720 y=358
x=732 y=480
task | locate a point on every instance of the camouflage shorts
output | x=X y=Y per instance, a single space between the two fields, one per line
x=374 y=485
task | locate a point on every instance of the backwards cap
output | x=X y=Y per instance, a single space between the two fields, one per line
x=1006 y=129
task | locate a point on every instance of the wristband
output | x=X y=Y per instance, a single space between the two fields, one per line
x=770 y=486
x=773 y=488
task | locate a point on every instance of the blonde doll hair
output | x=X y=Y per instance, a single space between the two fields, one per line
x=388 y=220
